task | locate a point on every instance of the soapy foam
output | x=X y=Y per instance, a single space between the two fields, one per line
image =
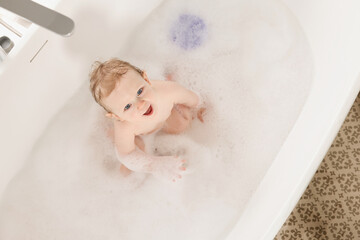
x=252 y=68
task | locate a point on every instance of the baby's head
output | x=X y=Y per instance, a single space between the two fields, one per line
x=122 y=89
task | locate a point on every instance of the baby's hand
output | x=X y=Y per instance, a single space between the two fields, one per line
x=200 y=114
x=169 y=168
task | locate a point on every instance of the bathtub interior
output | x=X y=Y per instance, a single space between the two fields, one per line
x=334 y=44
x=62 y=68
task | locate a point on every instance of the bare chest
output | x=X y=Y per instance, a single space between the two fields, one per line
x=162 y=111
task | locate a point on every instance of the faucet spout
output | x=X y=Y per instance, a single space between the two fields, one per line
x=40 y=15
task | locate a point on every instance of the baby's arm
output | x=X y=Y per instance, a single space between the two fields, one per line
x=166 y=167
x=181 y=95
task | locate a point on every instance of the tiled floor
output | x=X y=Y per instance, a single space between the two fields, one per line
x=330 y=207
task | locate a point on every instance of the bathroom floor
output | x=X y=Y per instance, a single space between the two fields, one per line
x=330 y=206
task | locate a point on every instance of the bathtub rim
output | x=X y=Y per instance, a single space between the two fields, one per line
x=337 y=79
x=269 y=185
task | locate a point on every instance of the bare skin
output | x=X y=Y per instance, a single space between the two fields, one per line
x=140 y=107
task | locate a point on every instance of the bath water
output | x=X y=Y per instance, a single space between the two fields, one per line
x=252 y=66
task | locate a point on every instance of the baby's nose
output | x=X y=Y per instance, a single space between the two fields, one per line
x=141 y=104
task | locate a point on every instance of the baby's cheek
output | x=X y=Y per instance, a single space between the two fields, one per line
x=134 y=113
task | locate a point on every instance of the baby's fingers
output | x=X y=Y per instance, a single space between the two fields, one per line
x=182 y=164
x=200 y=114
x=178 y=176
x=182 y=168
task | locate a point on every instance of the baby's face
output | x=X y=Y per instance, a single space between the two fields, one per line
x=133 y=98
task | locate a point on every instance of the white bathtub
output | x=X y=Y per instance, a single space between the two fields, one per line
x=32 y=90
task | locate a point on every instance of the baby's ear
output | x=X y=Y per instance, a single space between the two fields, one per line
x=112 y=116
x=108 y=115
x=145 y=77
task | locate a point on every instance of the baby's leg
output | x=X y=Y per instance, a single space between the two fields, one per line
x=179 y=120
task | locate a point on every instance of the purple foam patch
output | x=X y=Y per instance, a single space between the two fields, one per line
x=188 y=31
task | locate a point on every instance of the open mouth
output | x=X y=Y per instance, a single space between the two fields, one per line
x=149 y=111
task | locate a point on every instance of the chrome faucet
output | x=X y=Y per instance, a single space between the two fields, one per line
x=40 y=15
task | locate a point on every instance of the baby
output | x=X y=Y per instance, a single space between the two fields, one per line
x=137 y=107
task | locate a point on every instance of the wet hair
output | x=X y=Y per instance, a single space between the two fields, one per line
x=105 y=75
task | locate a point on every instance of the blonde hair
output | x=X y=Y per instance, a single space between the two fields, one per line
x=105 y=75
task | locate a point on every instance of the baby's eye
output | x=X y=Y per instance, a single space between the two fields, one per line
x=127 y=106
x=140 y=91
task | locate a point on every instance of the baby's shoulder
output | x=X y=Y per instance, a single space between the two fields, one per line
x=163 y=85
x=123 y=127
